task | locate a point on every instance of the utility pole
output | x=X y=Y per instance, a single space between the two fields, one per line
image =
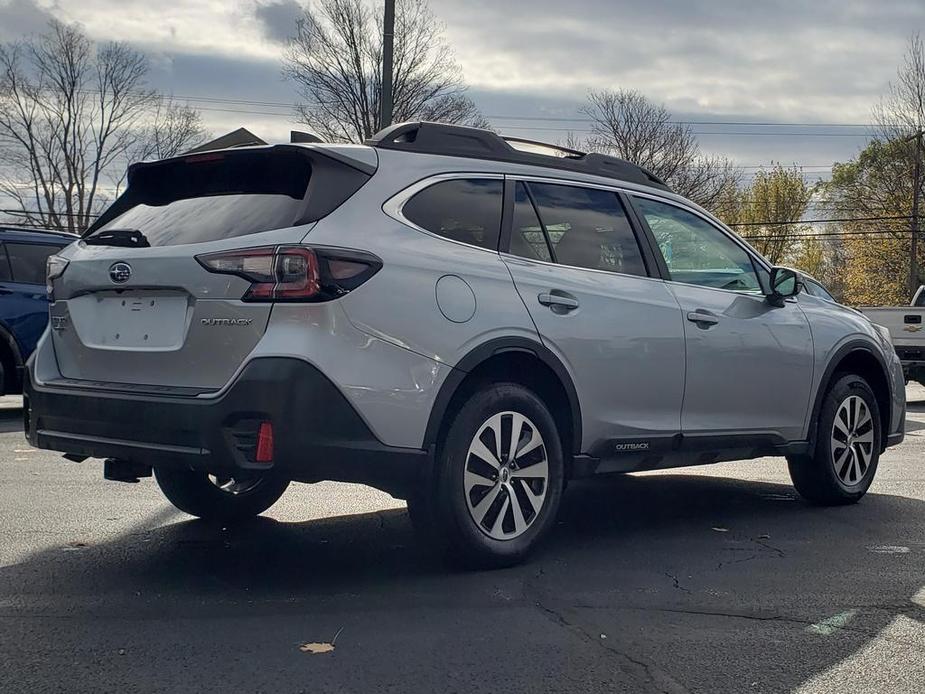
x=388 y=40
x=914 y=222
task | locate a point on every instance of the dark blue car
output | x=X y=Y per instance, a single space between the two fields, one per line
x=23 y=301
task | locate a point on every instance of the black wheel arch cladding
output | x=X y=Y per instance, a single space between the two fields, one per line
x=493 y=348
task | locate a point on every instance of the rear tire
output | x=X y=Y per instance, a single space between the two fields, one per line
x=219 y=498
x=491 y=504
x=847 y=451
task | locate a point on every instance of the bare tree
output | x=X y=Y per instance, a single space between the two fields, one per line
x=71 y=116
x=172 y=130
x=626 y=124
x=335 y=60
x=901 y=111
x=875 y=190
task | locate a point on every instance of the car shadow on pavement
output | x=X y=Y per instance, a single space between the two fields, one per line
x=662 y=582
x=10 y=420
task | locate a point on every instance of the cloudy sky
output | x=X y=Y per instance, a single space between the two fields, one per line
x=531 y=61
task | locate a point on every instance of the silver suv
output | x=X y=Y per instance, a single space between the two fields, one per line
x=464 y=321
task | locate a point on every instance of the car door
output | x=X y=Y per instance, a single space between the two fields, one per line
x=580 y=270
x=22 y=286
x=749 y=362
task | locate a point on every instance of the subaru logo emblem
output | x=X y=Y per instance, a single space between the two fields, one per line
x=120 y=272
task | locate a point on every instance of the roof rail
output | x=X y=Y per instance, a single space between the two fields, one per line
x=462 y=141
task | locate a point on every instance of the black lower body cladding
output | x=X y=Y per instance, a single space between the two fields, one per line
x=317 y=433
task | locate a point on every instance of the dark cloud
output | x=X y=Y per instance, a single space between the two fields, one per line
x=208 y=75
x=278 y=19
x=745 y=54
x=20 y=18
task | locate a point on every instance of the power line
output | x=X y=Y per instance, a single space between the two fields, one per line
x=822 y=236
x=561 y=119
x=819 y=221
x=694 y=132
x=48 y=214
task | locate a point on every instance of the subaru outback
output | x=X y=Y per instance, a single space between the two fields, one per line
x=464 y=321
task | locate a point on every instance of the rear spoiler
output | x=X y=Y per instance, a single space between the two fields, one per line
x=333 y=176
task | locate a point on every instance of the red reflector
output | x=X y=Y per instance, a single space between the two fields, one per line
x=265 y=443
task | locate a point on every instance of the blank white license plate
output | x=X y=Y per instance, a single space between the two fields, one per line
x=137 y=320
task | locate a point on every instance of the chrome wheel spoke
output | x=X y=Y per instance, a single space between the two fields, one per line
x=536 y=500
x=520 y=468
x=841 y=427
x=234 y=486
x=519 y=523
x=540 y=469
x=517 y=424
x=497 y=528
x=855 y=466
x=474 y=479
x=530 y=446
x=480 y=450
x=840 y=462
x=480 y=509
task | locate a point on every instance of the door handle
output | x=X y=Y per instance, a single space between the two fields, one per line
x=558 y=299
x=702 y=318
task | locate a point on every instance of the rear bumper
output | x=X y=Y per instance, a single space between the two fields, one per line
x=317 y=433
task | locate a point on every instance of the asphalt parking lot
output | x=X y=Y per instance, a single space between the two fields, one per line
x=714 y=579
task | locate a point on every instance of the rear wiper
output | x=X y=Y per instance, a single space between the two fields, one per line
x=127 y=238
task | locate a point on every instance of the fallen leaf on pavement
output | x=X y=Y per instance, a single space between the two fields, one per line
x=322 y=647
x=316 y=647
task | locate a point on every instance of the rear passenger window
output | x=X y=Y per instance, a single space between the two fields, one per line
x=27 y=261
x=462 y=209
x=587 y=228
x=528 y=240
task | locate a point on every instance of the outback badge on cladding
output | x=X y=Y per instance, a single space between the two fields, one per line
x=222 y=322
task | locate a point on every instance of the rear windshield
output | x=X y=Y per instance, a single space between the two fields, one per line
x=209 y=218
x=212 y=196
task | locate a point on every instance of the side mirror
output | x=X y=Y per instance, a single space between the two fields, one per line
x=784 y=284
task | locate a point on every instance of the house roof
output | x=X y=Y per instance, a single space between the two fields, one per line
x=242 y=137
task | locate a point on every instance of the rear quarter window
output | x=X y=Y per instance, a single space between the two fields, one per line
x=467 y=210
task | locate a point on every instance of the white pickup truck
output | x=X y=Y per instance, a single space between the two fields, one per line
x=907 y=331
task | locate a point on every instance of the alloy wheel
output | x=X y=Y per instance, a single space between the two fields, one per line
x=506 y=475
x=852 y=440
x=235 y=486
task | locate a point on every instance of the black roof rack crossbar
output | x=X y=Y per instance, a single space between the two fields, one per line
x=461 y=141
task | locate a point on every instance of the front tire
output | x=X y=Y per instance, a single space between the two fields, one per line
x=219 y=498
x=499 y=479
x=848 y=443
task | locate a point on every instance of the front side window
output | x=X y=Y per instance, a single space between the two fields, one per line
x=587 y=228
x=816 y=289
x=695 y=251
x=462 y=209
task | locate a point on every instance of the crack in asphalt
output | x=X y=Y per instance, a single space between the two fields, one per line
x=677 y=583
x=765 y=548
x=658 y=678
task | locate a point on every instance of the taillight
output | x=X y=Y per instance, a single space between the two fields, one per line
x=54 y=268
x=294 y=273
